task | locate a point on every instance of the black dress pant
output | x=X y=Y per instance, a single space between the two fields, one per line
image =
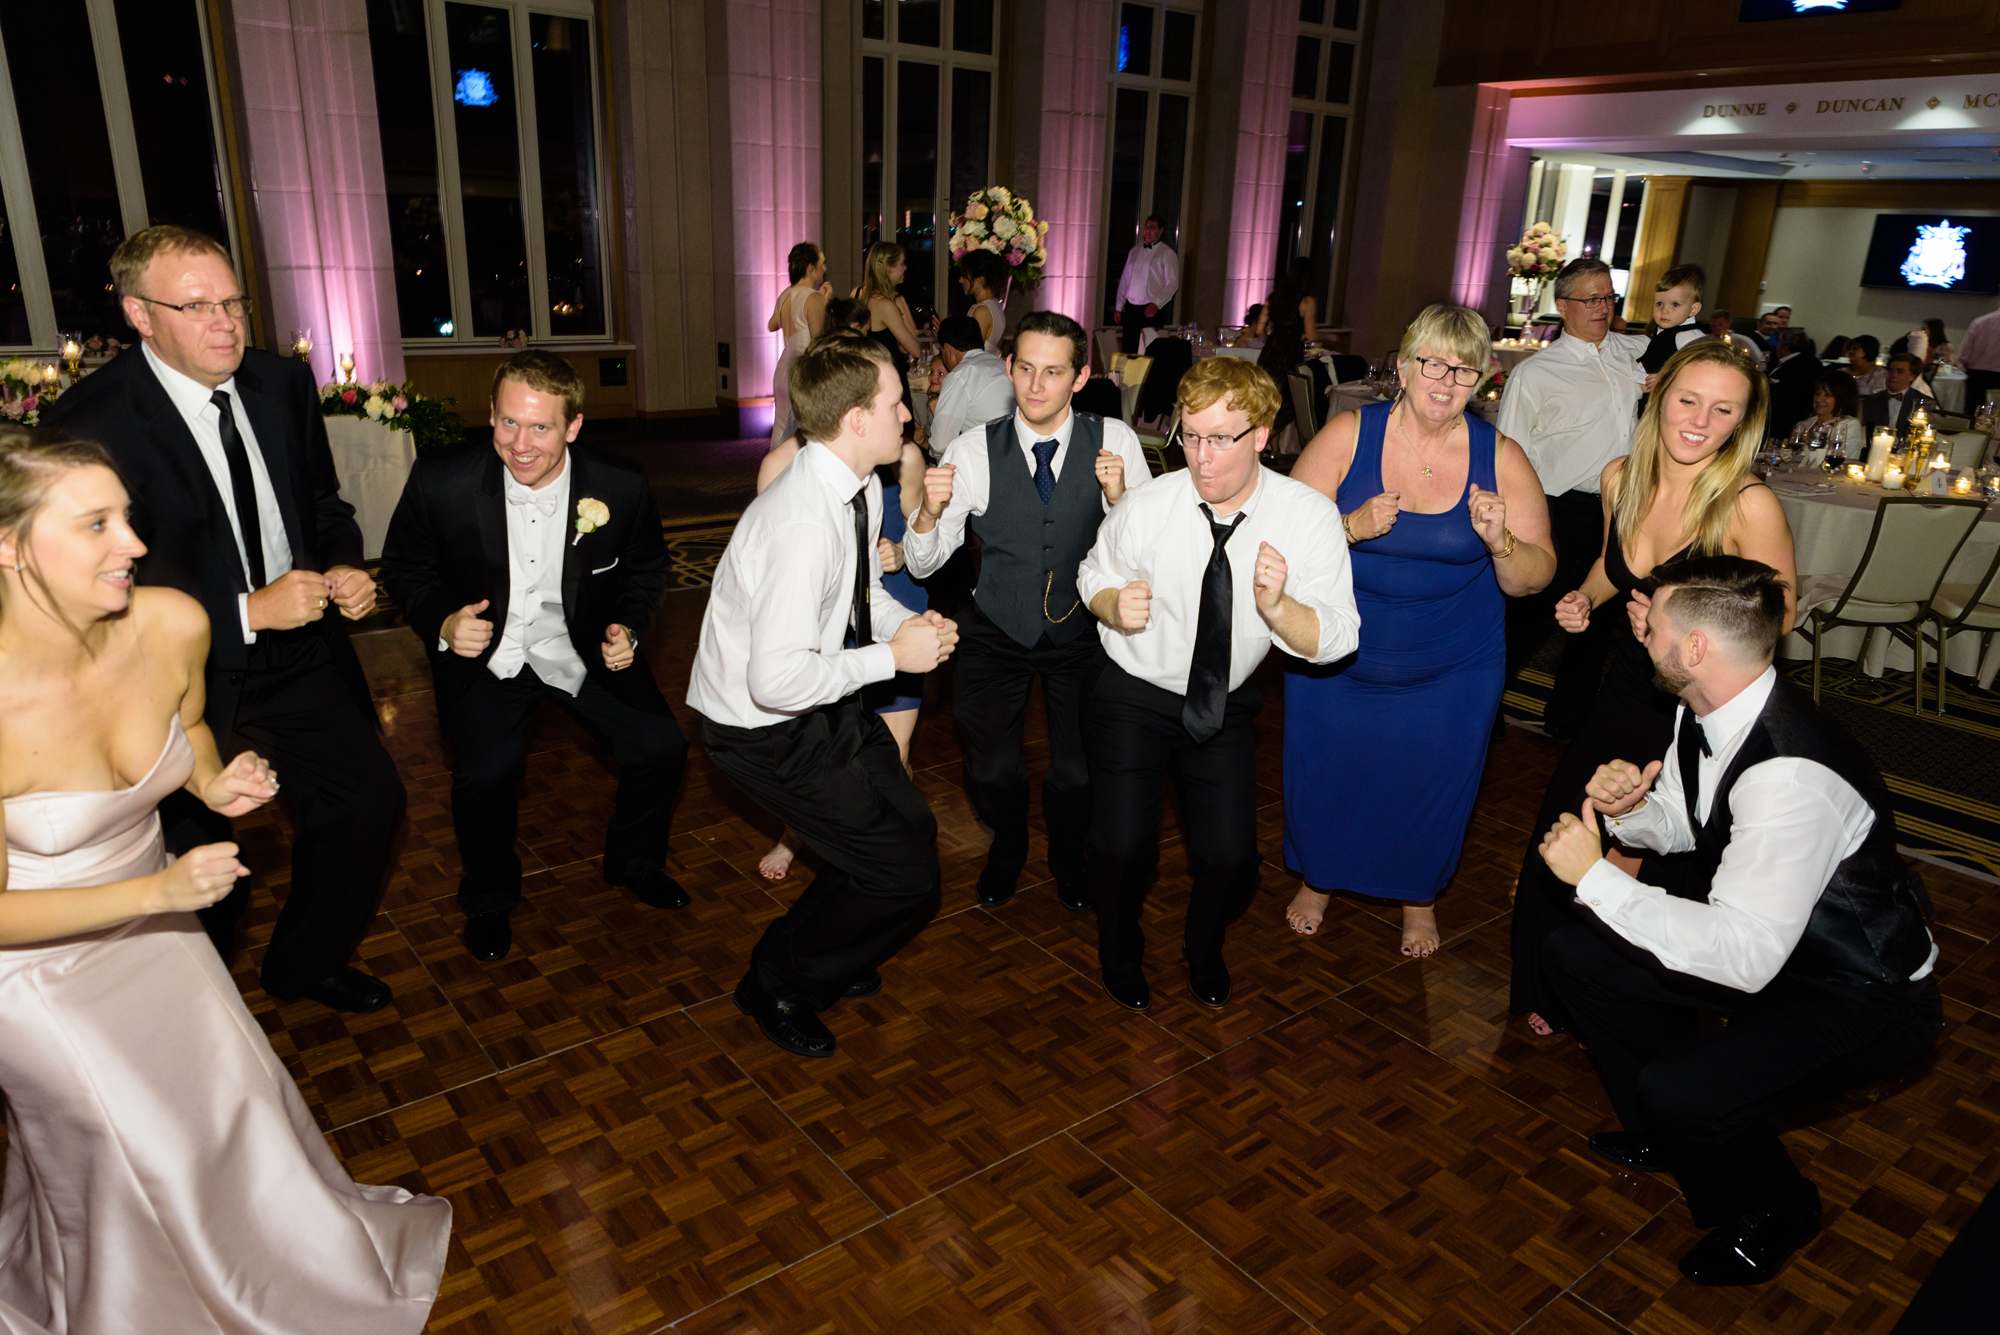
x=1707 y=1098
x=835 y=776
x=991 y=678
x=486 y=721
x=344 y=797
x=1137 y=739
x=1576 y=524
x=1134 y=319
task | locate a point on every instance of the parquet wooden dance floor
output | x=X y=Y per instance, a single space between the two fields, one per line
x=1358 y=1142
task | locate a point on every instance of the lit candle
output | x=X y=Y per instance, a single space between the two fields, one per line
x=1856 y=473
x=1893 y=479
x=50 y=375
x=1964 y=484
x=347 y=365
x=1879 y=448
x=1937 y=477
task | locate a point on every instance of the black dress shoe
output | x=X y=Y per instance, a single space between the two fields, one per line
x=1499 y=728
x=350 y=990
x=1751 y=1250
x=489 y=936
x=656 y=888
x=1629 y=1151
x=1128 y=988
x=791 y=1025
x=1076 y=895
x=1209 y=984
x=867 y=985
x=996 y=883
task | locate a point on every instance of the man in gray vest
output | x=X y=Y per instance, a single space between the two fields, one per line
x=1810 y=933
x=1033 y=488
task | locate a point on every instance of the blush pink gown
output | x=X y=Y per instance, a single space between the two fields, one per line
x=163 y=1173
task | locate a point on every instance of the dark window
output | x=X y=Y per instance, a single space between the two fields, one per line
x=871 y=19
x=1305 y=68
x=971 y=131
x=1292 y=206
x=168 y=88
x=1177 y=46
x=972 y=26
x=871 y=150
x=917 y=180
x=1312 y=11
x=1170 y=162
x=489 y=166
x=1340 y=72
x=13 y=307
x=565 y=136
x=1128 y=170
x=1326 y=203
x=1135 y=39
x=402 y=61
x=1347 y=14
x=918 y=22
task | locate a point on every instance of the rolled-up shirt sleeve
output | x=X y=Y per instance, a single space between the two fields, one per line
x=789 y=674
x=926 y=553
x=1322 y=578
x=1106 y=566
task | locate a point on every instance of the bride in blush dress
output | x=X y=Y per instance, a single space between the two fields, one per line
x=163 y=1173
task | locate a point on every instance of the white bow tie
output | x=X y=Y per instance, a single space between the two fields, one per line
x=544 y=501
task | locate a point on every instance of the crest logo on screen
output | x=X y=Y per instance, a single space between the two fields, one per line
x=1807 y=6
x=475 y=89
x=1937 y=256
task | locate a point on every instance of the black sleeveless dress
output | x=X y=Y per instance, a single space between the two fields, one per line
x=897 y=357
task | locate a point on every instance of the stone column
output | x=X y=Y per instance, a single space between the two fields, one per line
x=1262 y=130
x=1068 y=150
x=1496 y=188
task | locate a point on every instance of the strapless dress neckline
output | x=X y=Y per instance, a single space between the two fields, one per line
x=174 y=729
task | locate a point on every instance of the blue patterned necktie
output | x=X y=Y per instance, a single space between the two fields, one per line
x=1045 y=476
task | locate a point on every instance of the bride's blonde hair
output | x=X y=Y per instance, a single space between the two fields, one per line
x=30 y=462
x=882 y=257
x=1711 y=504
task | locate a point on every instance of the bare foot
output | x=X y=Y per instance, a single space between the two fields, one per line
x=1306 y=910
x=1420 y=930
x=776 y=862
x=1540 y=1027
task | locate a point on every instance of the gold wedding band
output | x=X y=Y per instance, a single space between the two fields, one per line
x=322 y=602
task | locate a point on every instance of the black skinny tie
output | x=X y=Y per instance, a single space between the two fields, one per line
x=863 y=635
x=1689 y=747
x=1208 y=670
x=243 y=487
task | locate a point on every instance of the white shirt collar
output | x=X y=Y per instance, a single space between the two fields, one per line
x=1027 y=435
x=1725 y=725
x=831 y=471
x=554 y=485
x=189 y=395
x=1245 y=510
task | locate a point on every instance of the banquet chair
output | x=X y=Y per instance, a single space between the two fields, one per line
x=1304 y=406
x=1132 y=373
x=1109 y=345
x=1241 y=354
x=1912 y=544
x=1348 y=367
x=1956 y=607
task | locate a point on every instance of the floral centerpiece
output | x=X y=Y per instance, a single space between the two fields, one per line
x=398 y=407
x=100 y=345
x=1540 y=255
x=24 y=391
x=998 y=220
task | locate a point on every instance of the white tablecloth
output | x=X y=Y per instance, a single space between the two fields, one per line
x=1830 y=533
x=1510 y=357
x=1949 y=387
x=373 y=463
x=1350 y=397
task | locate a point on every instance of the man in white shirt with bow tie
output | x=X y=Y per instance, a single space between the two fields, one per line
x=1152 y=276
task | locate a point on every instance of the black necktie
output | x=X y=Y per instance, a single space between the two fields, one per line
x=1690 y=746
x=243 y=488
x=863 y=635
x=1045 y=473
x=1208 y=670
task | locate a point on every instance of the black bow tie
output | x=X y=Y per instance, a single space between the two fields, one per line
x=1147 y=245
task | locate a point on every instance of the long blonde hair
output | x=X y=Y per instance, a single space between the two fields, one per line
x=30 y=463
x=1711 y=503
x=882 y=257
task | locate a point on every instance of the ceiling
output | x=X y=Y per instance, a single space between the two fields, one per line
x=1901 y=162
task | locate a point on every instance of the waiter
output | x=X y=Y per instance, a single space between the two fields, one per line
x=1146 y=288
x=1811 y=935
x=1193 y=578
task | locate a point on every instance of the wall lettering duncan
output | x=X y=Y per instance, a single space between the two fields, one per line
x=1733 y=109
x=1840 y=104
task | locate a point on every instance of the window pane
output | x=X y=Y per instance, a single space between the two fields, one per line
x=1292 y=206
x=565 y=133
x=871 y=18
x=1339 y=72
x=1128 y=169
x=1305 y=68
x=489 y=166
x=1177 y=46
x=1312 y=11
x=168 y=87
x=917 y=181
x=54 y=71
x=13 y=308
x=1170 y=162
x=971 y=132
x=1326 y=207
x=402 y=60
x=918 y=22
x=972 y=26
x=1347 y=14
x=871 y=151
x=1135 y=39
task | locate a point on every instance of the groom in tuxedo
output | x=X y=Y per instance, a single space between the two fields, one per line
x=235 y=496
x=530 y=570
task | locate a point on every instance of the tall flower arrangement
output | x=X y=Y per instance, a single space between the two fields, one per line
x=1540 y=255
x=998 y=220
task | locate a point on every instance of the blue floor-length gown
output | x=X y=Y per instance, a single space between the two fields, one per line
x=1382 y=758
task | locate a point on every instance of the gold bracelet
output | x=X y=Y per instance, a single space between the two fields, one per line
x=1506 y=551
x=1346 y=527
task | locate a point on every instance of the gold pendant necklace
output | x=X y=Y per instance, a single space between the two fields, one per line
x=1410 y=440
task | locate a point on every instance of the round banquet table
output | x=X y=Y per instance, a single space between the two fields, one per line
x=1512 y=355
x=1948 y=387
x=1829 y=534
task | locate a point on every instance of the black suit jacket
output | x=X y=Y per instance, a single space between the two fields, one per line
x=1875 y=407
x=178 y=511
x=1791 y=394
x=447 y=549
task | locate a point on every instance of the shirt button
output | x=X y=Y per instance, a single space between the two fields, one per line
x=1597 y=903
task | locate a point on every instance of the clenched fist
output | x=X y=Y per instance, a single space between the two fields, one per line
x=292 y=600
x=197 y=879
x=1135 y=606
x=1269 y=581
x=1376 y=516
x=937 y=488
x=465 y=634
x=1573 y=612
x=1619 y=786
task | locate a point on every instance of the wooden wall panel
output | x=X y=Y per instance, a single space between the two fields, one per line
x=1659 y=239
x=1749 y=242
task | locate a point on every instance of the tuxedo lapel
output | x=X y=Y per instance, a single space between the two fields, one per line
x=572 y=570
x=274 y=436
x=489 y=504
x=176 y=445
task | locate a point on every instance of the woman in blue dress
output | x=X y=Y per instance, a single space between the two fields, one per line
x=1443 y=516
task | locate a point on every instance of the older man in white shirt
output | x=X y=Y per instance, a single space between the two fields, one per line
x=1151 y=278
x=975 y=389
x=1571 y=407
x=1193 y=578
x=780 y=703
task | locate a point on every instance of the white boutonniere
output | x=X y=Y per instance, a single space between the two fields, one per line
x=591 y=515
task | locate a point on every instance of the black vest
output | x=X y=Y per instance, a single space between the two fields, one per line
x=1868 y=927
x=1030 y=551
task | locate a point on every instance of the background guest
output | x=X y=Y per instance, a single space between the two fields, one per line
x=1442 y=516
x=983 y=277
x=1676 y=314
x=889 y=321
x=1836 y=412
x=1979 y=358
x=971 y=384
x=848 y=313
x=1721 y=326
x=1256 y=327
x=800 y=314
x=1927 y=344
x=1685 y=490
x=1765 y=335
x=1794 y=372
x=1862 y=351
x=1835 y=349
x=1900 y=396
x=1146 y=287
x=1289 y=316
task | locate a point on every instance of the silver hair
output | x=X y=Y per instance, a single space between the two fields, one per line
x=1575 y=272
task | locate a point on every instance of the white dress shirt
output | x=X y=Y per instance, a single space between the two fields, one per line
x=972 y=484
x=778 y=612
x=1152 y=276
x=1162 y=535
x=1979 y=350
x=1571 y=407
x=975 y=392
x=1792 y=822
x=192 y=400
x=536 y=632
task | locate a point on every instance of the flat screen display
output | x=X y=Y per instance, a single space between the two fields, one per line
x=1793 y=9
x=1933 y=252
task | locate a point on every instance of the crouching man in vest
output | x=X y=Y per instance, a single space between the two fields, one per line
x=1811 y=937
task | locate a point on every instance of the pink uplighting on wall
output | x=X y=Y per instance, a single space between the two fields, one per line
x=1075 y=91
x=1263 y=129
x=1494 y=178
x=316 y=178
x=774 y=118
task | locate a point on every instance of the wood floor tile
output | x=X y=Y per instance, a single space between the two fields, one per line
x=1049 y=1242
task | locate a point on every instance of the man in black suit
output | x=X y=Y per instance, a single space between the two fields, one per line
x=1896 y=404
x=530 y=570
x=235 y=496
x=1793 y=375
